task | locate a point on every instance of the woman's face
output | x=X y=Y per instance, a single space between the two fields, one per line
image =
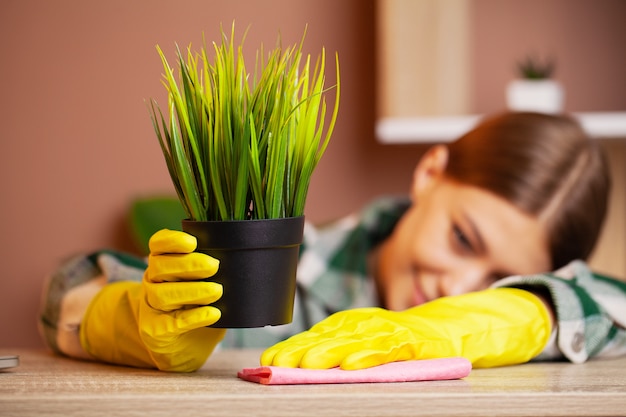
x=455 y=239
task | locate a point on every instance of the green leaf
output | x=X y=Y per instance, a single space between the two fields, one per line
x=239 y=146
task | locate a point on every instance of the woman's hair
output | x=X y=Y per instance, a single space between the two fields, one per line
x=546 y=166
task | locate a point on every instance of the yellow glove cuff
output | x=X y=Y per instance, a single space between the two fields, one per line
x=503 y=326
x=110 y=334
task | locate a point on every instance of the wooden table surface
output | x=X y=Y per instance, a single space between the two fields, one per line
x=45 y=384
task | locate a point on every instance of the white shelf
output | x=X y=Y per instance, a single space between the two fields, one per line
x=605 y=125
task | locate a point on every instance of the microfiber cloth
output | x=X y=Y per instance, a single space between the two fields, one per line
x=407 y=371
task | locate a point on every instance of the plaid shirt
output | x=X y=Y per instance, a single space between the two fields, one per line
x=333 y=276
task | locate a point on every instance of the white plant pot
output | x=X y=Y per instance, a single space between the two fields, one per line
x=544 y=96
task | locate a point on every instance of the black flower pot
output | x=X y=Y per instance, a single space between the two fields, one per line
x=258 y=261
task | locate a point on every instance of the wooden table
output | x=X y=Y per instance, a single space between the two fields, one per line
x=44 y=384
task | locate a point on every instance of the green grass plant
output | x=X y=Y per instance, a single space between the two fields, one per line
x=242 y=146
x=532 y=68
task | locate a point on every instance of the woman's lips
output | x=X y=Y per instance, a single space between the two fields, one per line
x=418 y=294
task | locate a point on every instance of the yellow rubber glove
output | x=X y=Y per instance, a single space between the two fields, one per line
x=160 y=322
x=494 y=327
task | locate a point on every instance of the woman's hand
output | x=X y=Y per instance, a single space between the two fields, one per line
x=494 y=327
x=162 y=321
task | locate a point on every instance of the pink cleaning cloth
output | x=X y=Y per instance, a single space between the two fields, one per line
x=408 y=371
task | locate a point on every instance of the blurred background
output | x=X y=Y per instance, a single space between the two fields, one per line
x=78 y=145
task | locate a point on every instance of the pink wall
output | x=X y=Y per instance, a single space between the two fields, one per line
x=77 y=143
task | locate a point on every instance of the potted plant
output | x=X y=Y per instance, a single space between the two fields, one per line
x=534 y=89
x=241 y=150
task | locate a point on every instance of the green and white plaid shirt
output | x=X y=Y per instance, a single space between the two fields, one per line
x=333 y=276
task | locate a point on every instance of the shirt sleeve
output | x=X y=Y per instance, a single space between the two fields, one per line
x=590 y=311
x=77 y=270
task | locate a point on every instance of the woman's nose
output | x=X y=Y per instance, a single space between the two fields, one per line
x=462 y=281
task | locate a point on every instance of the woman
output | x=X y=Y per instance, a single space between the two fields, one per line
x=519 y=195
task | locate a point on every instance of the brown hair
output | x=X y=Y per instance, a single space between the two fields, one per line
x=546 y=166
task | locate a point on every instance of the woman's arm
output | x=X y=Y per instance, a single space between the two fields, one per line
x=70 y=289
x=494 y=327
x=589 y=309
x=96 y=309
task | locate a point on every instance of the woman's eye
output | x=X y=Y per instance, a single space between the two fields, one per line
x=461 y=239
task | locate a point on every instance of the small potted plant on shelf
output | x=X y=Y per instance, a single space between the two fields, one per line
x=535 y=89
x=241 y=149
